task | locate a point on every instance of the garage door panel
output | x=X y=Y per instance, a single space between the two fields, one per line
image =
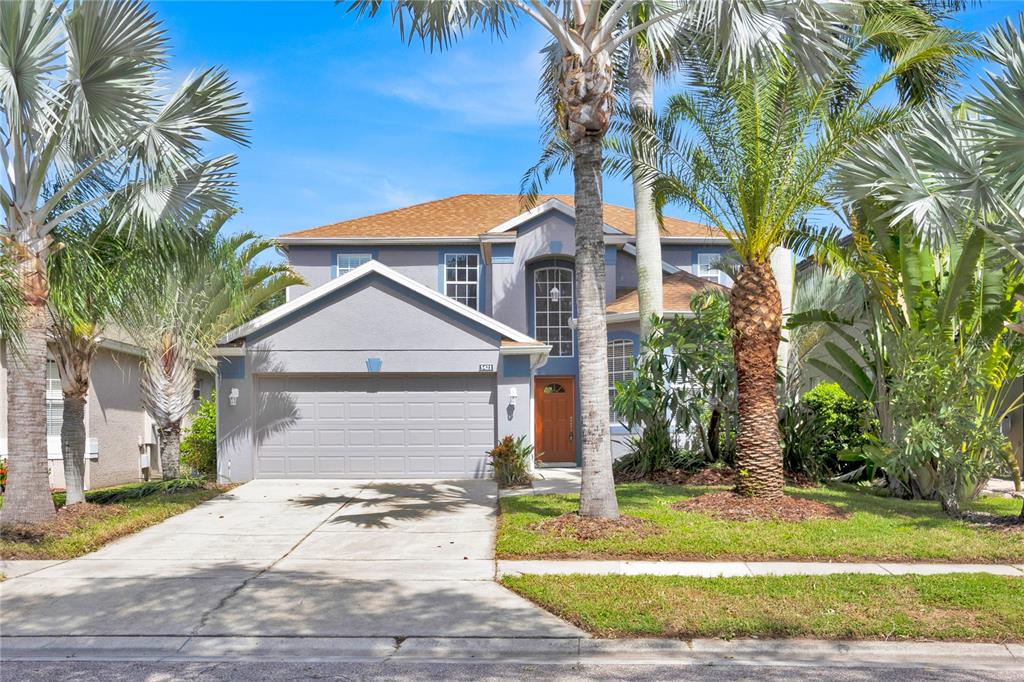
x=399 y=426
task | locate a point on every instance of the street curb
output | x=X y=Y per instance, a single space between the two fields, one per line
x=536 y=651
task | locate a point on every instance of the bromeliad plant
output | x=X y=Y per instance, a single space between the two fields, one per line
x=512 y=460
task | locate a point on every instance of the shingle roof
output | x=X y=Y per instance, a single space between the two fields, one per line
x=677 y=291
x=469 y=215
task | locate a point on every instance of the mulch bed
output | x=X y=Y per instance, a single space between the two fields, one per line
x=990 y=521
x=66 y=521
x=573 y=525
x=729 y=506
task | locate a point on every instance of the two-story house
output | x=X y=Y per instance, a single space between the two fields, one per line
x=426 y=333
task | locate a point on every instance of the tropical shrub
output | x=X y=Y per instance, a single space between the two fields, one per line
x=511 y=459
x=820 y=425
x=681 y=401
x=944 y=447
x=199 y=446
x=3 y=475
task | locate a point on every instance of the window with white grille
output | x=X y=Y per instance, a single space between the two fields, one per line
x=552 y=306
x=620 y=368
x=54 y=400
x=347 y=262
x=462 y=277
x=706 y=269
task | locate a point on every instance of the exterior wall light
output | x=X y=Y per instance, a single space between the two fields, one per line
x=233 y=397
x=513 y=396
x=555 y=294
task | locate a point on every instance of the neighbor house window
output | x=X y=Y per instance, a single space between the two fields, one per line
x=706 y=269
x=620 y=368
x=347 y=262
x=552 y=305
x=462 y=277
x=54 y=400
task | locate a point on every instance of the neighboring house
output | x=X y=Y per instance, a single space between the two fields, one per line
x=120 y=436
x=426 y=333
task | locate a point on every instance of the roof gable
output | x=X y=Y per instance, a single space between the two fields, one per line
x=363 y=271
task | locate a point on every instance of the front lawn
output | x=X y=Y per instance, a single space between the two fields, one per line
x=877 y=528
x=965 y=607
x=88 y=527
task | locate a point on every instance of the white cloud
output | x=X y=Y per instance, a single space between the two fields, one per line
x=480 y=88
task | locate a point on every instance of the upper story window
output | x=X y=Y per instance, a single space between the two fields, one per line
x=348 y=262
x=54 y=400
x=552 y=306
x=706 y=269
x=620 y=368
x=462 y=277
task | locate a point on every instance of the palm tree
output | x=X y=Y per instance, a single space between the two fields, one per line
x=81 y=113
x=91 y=277
x=586 y=36
x=756 y=154
x=954 y=168
x=199 y=290
x=924 y=80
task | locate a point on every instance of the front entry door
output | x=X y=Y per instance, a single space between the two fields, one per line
x=555 y=399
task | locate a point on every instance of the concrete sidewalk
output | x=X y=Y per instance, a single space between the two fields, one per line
x=545 y=651
x=715 y=569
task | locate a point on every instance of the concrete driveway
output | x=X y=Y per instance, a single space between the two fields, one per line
x=292 y=558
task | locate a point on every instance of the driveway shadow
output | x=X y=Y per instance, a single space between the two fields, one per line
x=228 y=599
x=390 y=502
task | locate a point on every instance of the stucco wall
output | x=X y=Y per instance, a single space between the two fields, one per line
x=116 y=419
x=316 y=264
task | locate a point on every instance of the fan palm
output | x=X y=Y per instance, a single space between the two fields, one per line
x=80 y=114
x=756 y=154
x=203 y=287
x=586 y=36
x=955 y=168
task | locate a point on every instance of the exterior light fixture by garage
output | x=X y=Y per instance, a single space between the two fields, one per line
x=233 y=397
x=513 y=396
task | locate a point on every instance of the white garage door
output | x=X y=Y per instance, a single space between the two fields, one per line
x=374 y=426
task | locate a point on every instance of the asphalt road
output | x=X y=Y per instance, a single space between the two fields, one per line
x=80 y=671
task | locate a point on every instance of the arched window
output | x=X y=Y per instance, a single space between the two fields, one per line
x=620 y=368
x=552 y=309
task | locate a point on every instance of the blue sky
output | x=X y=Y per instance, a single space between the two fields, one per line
x=348 y=120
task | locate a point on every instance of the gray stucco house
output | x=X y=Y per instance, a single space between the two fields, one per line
x=121 y=438
x=426 y=333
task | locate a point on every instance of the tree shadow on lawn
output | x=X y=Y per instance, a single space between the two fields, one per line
x=394 y=502
x=639 y=498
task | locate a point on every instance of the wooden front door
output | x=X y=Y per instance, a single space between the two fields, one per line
x=555 y=418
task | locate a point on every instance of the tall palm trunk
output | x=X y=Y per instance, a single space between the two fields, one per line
x=585 y=87
x=27 y=499
x=597 y=495
x=72 y=447
x=648 y=233
x=755 y=315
